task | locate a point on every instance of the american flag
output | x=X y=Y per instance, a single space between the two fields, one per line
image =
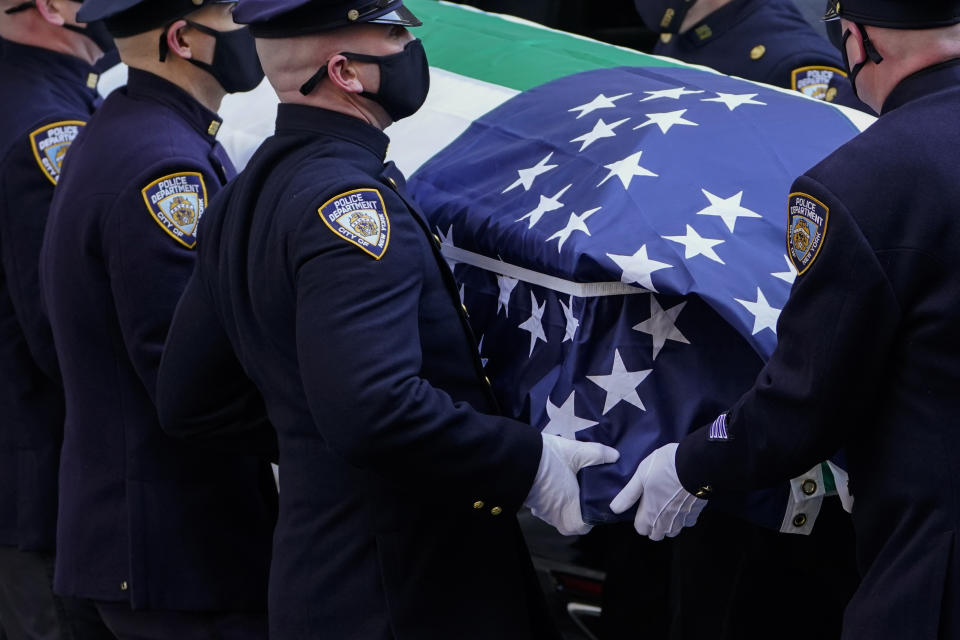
x=619 y=240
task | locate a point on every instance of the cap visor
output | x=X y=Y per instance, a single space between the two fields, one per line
x=401 y=16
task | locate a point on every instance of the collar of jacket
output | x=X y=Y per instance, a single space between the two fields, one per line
x=148 y=86
x=302 y=119
x=945 y=75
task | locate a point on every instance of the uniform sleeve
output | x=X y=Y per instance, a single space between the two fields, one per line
x=358 y=344
x=149 y=257
x=27 y=192
x=835 y=334
x=203 y=393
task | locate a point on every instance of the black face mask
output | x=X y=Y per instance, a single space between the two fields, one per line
x=872 y=56
x=404 y=80
x=235 y=63
x=96 y=31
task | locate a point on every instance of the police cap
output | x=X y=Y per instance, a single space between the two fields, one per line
x=896 y=14
x=286 y=18
x=130 y=17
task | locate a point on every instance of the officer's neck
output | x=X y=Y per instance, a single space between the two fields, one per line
x=29 y=28
x=699 y=11
x=351 y=105
x=202 y=86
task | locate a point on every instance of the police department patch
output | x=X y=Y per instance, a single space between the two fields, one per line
x=177 y=203
x=50 y=145
x=360 y=218
x=807 y=225
x=814 y=81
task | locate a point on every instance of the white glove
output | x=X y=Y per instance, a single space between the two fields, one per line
x=555 y=495
x=665 y=506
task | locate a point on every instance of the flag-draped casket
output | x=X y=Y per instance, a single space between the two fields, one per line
x=618 y=234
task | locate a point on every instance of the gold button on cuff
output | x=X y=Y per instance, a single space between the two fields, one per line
x=758 y=52
x=496 y=511
x=478 y=504
x=352 y=15
x=809 y=487
x=123 y=586
x=799 y=520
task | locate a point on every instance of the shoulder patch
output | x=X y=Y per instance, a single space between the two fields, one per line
x=814 y=81
x=360 y=218
x=50 y=144
x=177 y=203
x=806 y=228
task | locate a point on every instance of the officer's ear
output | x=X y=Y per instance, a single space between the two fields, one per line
x=343 y=74
x=51 y=11
x=175 y=40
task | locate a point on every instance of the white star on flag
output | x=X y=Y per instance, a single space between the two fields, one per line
x=534 y=324
x=506 y=285
x=734 y=100
x=600 y=130
x=620 y=384
x=563 y=421
x=666 y=120
x=546 y=206
x=527 y=176
x=627 y=169
x=572 y=323
x=638 y=268
x=727 y=208
x=575 y=223
x=446 y=239
x=600 y=102
x=788 y=276
x=662 y=325
x=765 y=316
x=673 y=94
x=696 y=245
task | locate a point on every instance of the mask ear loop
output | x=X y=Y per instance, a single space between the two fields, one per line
x=21 y=7
x=164 y=47
x=307 y=87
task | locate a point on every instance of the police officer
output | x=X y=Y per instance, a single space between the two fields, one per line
x=319 y=279
x=763 y=40
x=47 y=94
x=167 y=541
x=869 y=354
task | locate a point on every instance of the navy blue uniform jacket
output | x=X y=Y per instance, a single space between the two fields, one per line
x=398 y=484
x=46 y=98
x=766 y=41
x=869 y=359
x=142 y=517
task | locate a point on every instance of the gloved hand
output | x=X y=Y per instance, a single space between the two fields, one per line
x=665 y=506
x=555 y=495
